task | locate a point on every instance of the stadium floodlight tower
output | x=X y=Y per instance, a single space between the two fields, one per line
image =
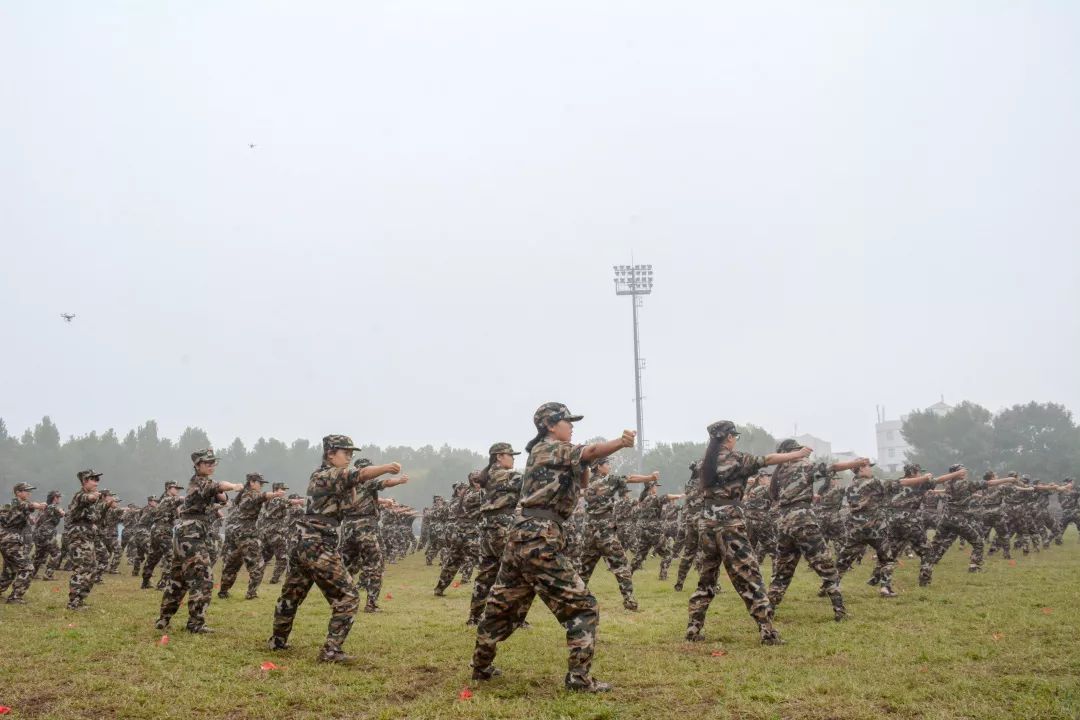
x=636 y=281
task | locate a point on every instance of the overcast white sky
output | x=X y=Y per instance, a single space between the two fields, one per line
x=846 y=205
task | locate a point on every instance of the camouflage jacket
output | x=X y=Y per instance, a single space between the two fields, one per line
x=832 y=496
x=1068 y=499
x=693 y=502
x=363 y=501
x=868 y=500
x=246 y=506
x=502 y=491
x=959 y=494
x=792 y=484
x=329 y=491
x=274 y=513
x=602 y=494
x=82 y=510
x=552 y=480
x=15 y=517
x=726 y=487
x=47 y=522
x=650 y=509
x=757 y=502
x=166 y=512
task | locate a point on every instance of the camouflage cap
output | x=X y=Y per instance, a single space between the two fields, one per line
x=474 y=476
x=279 y=486
x=206 y=455
x=721 y=429
x=87 y=475
x=254 y=477
x=957 y=466
x=788 y=445
x=170 y=484
x=362 y=463
x=106 y=492
x=338 y=442
x=550 y=413
x=52 y=494
x=24 y=487
x=151 y=498
x=501 y=448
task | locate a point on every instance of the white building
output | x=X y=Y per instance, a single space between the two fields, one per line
x=892 y=449
x=822 y=448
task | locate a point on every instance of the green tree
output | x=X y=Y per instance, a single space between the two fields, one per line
x=963 y=435
x=1040 y=439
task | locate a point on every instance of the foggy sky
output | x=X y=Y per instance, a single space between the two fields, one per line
x=846 y=205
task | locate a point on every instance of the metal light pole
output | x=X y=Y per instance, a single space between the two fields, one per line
x=636 y=281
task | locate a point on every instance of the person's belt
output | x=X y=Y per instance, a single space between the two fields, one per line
x=804 y=505
x=543 y=514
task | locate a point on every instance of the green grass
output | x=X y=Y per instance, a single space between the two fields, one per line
x=931 y=653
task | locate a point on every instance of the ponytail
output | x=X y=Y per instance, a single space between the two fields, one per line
x=485 y=474
x=708 y=465
x=540 y=435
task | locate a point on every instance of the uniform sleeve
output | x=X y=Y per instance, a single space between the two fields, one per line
x=749 y=464
x=620 y=483
x=566 y=454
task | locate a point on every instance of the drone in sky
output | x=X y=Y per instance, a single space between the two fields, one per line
x=68 y=317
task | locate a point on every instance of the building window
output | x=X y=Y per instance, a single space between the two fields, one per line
x=892 y=452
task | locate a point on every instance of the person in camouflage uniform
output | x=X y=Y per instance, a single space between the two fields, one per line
x=626 y=521
x=14 y=549
x=574 y=533
x=425 y=529
x=868 y=525
x=215 y=544
x=1070 y=514
x=64 y=557
x=722 y=528
x=671 y=527
x=959 y=519
x=828 y=504
x=140 y=542
x=189 y=564
x=161 y=531
x=465 y=539
x=110 y=536
x=438 y=517
x=1045 y=522
x=502 y=488
x=315 y=558
x=992 y=517
x=760 y=518
x=533 y=562
x=906 y=524
x=102 y=548
x=650 y=530
x=798 y=531
x=242 y=536
x=601 y=528
x=83 y=512
x=361 y=548
x=46 y=549
x=1016 y=503
x=691 y=514
x=272 y=529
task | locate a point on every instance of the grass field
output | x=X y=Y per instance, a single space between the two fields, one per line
x=1002 y=644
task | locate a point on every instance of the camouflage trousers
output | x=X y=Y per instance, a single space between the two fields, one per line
x=725 y=542
x=493 y=533
x=533 y=564
x=158 y=550
x=761 y=529
x=650 y=539
x=998 y=522
x=1047 y=525
x=832 y=527
x=82 y=544
x=952 y=526
x=315 y=560
x=362 y=553
x=602 y=541
x=464 y=548
x=690 y=547
x=246 y=550
x=137 y=549
x=188 y=573
x=275 y=546
x=46 y=555
x=1068 y=517
x=1022 y=525
x=435 y=544
x=17 y=566
x=907 y=530
x=110 y=562
x=799 y=535
x=65 y=551
x=861 y=534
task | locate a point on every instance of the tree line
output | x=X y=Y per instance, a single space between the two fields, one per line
x=1040 y=439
